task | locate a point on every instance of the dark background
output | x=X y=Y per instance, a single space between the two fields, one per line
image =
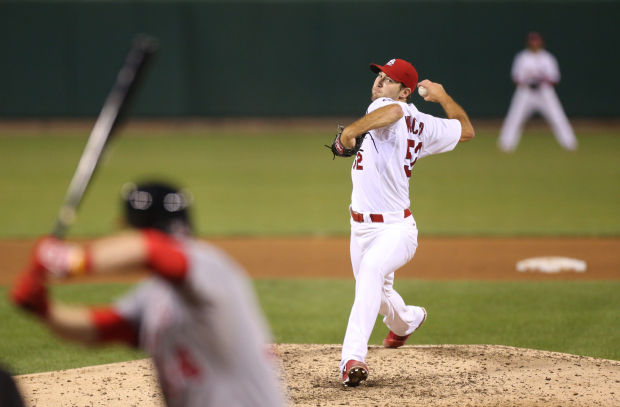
x=297 y=58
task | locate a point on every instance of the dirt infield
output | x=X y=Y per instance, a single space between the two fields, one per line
x=440 y=375
x=450 y=258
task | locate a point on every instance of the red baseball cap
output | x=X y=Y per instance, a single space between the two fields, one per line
x=399 y=70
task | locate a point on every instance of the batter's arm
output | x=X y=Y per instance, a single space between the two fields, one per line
x=71 y=322
x=161 y=253
x=436 y=93
x=111 y=253
x=84 y=324
x=381 y=117
x=90 y=325
x=77 y=323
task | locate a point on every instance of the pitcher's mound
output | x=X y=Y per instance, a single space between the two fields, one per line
x=439 y=375
x=453 y=375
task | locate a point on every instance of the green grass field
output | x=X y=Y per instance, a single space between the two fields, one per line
x=579 y=318
x=258 y=183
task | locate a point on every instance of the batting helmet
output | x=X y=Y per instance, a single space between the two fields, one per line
x=156 y=205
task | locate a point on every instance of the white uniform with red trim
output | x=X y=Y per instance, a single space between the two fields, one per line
x=205 y=333
x=383 y=232
x=535 y=74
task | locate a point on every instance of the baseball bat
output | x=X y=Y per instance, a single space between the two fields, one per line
x=110 y=116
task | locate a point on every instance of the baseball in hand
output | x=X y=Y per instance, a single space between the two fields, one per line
x=422 y=91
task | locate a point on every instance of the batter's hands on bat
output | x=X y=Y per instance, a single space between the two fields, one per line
x=436 y=92
x=58 y=258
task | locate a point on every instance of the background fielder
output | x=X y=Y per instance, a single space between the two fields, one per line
x=386 y=143
x=535 y=72
x=196 y=316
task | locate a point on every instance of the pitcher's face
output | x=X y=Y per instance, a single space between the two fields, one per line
x=386 y=87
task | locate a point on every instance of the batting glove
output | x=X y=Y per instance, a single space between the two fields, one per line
x=30 y=290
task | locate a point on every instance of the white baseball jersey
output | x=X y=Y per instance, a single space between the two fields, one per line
x=535 y=67
x=381 y=171
x=205 y=334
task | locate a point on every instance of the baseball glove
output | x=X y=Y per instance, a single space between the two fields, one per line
x=340 y=150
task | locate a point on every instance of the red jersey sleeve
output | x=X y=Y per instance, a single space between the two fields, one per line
x=112 y=327
x=165 y=256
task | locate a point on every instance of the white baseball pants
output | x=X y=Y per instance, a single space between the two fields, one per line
x=377 y=251
x=525 y=102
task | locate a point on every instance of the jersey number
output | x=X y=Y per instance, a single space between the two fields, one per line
x=357 y=163
x=411 y=145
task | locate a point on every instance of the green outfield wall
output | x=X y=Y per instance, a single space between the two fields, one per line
x=297 y=58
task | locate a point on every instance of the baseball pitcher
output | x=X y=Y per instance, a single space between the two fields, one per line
x=385 y=145
x=196 y=315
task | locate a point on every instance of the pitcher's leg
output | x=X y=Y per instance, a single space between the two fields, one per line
x=390 y=247
x=356 y=247
x=400 y=318
x=364 y=312
x=361 y=318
